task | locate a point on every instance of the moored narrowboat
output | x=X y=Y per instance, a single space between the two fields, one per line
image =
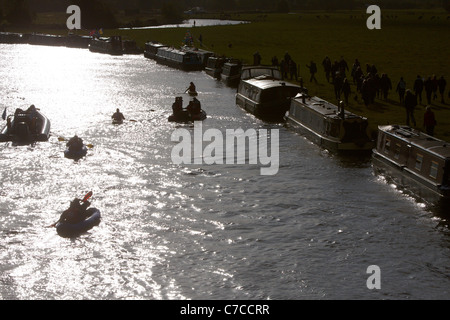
x=265 y=95
x=214 y=67
x=231 y=73
x=183 y=60
x=416 y=162
x=328 y=125
x=112 y=45
x=151 y=49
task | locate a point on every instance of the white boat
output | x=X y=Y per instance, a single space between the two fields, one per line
x=262 y=93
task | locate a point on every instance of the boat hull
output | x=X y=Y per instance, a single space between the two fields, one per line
x=333 y=145
x=409 y=182
x=186 y=117
x=68 y=230
x=23 y=134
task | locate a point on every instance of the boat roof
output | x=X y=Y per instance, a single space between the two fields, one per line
x=418 y=139
x=174 y=50
x=324 y=107
x=249 y=72
x=267 y=82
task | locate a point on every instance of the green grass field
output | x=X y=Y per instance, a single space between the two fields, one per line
x=410 y=43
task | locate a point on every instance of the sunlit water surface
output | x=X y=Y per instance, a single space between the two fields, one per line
x=192 y=231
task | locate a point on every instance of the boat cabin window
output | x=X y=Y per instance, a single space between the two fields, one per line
x=278 y=93
x=434 y=169
x=397 y=150
x=419 y=161
x=387 y=146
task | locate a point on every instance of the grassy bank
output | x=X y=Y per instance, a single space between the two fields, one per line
x=410 y=43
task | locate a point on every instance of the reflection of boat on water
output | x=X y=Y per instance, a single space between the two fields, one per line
x=328 y=125
x=415 y=161
x=112 y=45
x=26 y=126
x=262 y=93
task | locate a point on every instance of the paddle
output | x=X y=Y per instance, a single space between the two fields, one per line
x=86 y=198
x=90 y=146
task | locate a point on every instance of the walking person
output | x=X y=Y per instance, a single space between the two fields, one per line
x=410 y=104
x=418 y=88
x=441 y=85
x=401 y=89
x=312 y=70
x=428 y=86
x=429 y=121
x=346 y=90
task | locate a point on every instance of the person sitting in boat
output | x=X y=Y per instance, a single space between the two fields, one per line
x=177 y=106
x=192 y=88
x=196 y=106
x=118 y=116
x=31 y=109
x=76 y=212
x=75 y=144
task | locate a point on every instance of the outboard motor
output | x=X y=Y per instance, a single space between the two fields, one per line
x=22 y=130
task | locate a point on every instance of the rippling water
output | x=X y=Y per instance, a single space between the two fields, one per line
x=192 y=231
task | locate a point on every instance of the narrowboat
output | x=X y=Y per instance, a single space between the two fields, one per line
x=231 y=73
x=151 y=49
x=26 y=127
x=418 y=163
x=112 y=45
x=202 y=54
x=328 y=125
x=264 y=95
x=214 y=67
x=131 y=47
x=183 y=60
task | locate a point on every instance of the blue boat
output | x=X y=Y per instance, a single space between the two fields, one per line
x=72 y=230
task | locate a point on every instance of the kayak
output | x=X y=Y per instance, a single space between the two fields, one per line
x=117 y=121
x=76 y=155
x=193 y=93
x=187 y=117
x=72 y=230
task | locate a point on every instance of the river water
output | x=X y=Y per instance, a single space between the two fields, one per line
x=192 y=231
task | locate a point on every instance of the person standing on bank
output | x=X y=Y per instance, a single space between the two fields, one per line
x=401 y=89
x=429 y=121
x=410 y=104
